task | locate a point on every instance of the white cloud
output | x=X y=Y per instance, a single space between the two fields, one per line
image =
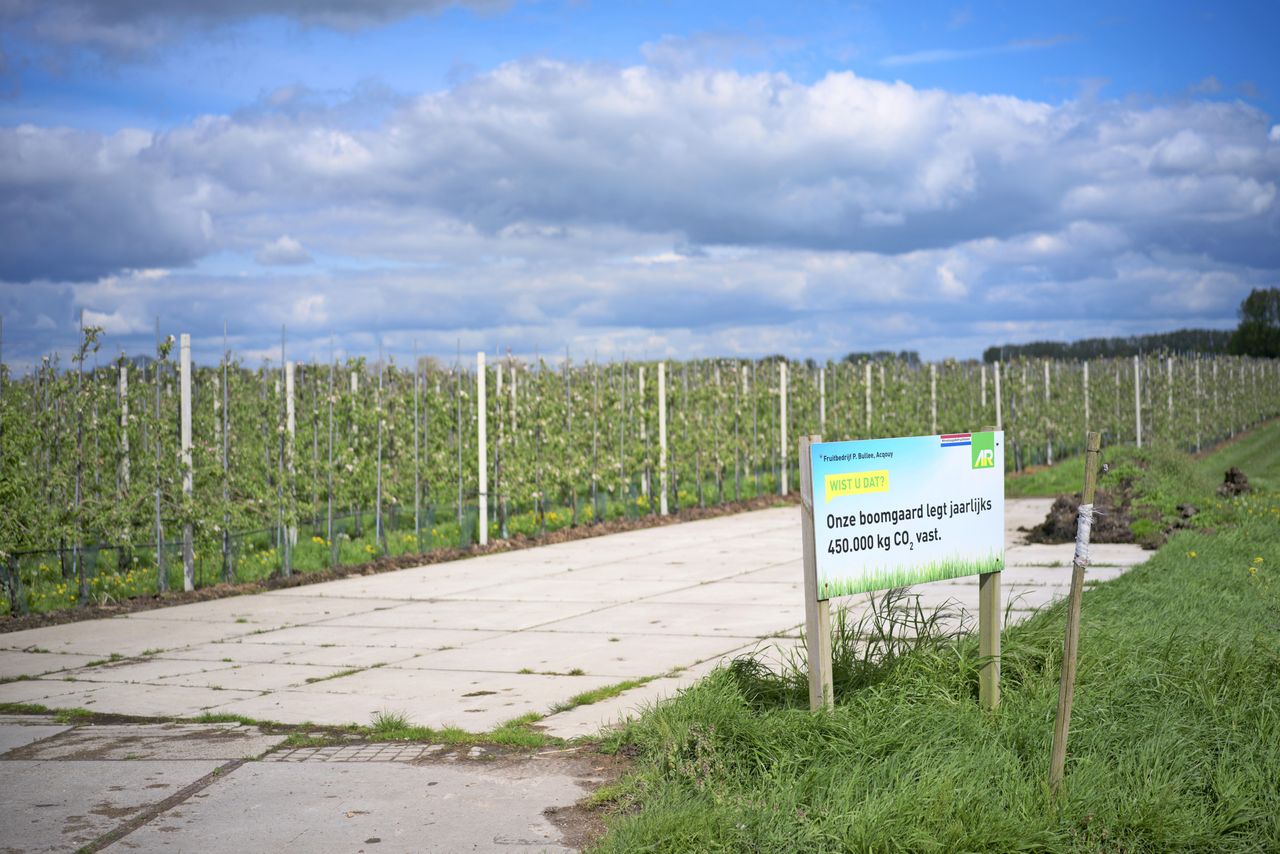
x=536 y=204
x=284 y=250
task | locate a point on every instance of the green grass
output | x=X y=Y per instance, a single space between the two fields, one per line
x=1064 y=477
x=1175 y=737
x=1257 y=455
x=394 y=726
x=1259 y=450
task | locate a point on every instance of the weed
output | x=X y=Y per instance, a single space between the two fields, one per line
x=338 y=675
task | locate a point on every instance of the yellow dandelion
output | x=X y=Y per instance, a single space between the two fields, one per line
x=1191 y=554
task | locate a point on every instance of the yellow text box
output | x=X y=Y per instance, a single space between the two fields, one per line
x=856 y=483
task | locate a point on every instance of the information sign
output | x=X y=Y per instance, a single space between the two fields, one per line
x=894 y=512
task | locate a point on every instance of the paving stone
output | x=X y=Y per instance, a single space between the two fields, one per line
x=155 y=741
x=745 y=621
x=570 y=587
x=61 y=806
x=14 y=663
x=121 y=635
x=735 y=592
x=41 y=692
x=265 y=609
x=625 y=656
x=416 y=639
x=146 y=670
x=15 y=735
x=505 y=615
x=253 y=676
x=345 y=806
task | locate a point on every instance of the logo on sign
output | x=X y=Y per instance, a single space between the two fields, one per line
x=983 y=453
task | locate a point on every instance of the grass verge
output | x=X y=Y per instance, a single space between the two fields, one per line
x=1175 y=738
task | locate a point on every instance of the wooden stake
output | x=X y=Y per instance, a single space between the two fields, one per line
x=990 y=616
x=817 y=612
x=1066 y=689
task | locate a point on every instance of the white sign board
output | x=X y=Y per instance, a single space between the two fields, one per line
x=894 y=512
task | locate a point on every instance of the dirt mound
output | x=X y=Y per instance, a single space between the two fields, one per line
x=1110 y=521
x=1234 y=483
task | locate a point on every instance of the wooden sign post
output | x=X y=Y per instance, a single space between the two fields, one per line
x=1062 y=722
x=817 y=612
x=989 y=619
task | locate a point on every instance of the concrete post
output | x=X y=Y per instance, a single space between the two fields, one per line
x=482 y=448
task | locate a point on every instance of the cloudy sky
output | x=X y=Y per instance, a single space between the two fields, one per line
x=639 y=179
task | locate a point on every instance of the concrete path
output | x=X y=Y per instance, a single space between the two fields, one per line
x=472 y=644
x=184 y=787
x=477 y=642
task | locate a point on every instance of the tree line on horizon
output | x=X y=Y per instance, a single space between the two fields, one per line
x=1257 y=335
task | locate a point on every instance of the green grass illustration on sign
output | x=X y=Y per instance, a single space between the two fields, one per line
x=885 y=577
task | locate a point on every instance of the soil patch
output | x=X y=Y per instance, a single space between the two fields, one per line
x=385 y=564
x=1234 y=482
x=585 y=822
x=1111 y=521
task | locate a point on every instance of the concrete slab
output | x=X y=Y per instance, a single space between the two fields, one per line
x=624 y=656
x=329 y=655
x=415 y=639
x=498 y=615
x=589 y=720
x=61 y=806
x=745 y=621
x=474 y=701
x=372 y=806
x=734 y=592
x=781 y=573
x=237 y=651
x=428 y=582
x=153 y=701
x=15 y=735
x=168 y=742
x=121 y=635
x=265 y=610
x=147 y=670
x=41 y=692
x=569 y=587
x=254 y=676
x=14 y=664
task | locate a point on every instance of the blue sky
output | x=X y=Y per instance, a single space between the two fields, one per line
x=656 y=179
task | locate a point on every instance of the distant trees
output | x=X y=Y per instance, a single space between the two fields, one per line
x=911 y=357
x=1259 y=331
x=1180 y=341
